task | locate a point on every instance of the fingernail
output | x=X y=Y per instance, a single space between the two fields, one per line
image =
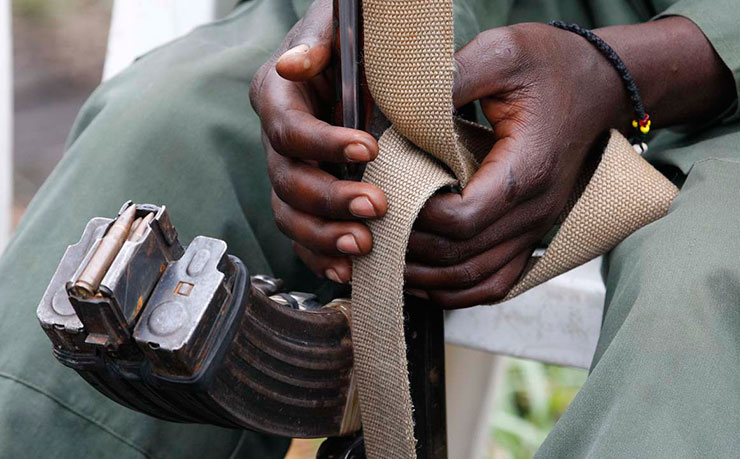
x=296 y=50
x=362 y=207
x=418 y=293
x=357 y=152
x=348 y=244
x=332 y=275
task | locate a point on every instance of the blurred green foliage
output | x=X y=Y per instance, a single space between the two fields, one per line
x=533 y=397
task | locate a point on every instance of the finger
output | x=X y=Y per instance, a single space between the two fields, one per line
x=336 y=269
x=310 y=47
x=290 y=120
x=435 y=250
x=487 y=65
x=295 y=131
x=418 y=293
x=509 y=175
x=491 y=290
x=307 y=188
x=319 y=235
x=472 y=271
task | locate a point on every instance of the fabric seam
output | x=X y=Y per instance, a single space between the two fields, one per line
x=706 y=160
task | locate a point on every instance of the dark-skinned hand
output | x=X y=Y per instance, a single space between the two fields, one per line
x=470 y=248
x=293 y=95
x=550 y=97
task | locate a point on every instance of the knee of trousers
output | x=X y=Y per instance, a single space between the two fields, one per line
x=681 y=274
x=153 y=109
x=194 y=87
x=176 y=128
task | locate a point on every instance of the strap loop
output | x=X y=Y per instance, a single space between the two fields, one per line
x=409 y=66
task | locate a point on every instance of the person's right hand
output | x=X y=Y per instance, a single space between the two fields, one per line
x=293 y=93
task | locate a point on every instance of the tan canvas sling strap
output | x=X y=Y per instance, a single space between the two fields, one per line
x=409 y=65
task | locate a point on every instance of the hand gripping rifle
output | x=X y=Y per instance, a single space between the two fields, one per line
x=185 y=334
x=424 y=324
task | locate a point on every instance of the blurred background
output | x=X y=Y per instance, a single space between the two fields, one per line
x=59 y=48
x=58 y=53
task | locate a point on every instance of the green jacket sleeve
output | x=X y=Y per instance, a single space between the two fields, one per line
x=719 y=20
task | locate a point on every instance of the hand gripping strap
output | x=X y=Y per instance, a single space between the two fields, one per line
x=409 y=65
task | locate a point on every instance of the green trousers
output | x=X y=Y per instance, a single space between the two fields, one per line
x=176 y=128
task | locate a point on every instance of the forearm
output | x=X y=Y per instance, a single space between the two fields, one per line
x=680 y=77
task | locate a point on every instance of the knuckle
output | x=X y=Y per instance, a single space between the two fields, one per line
x=541 y=179
x=303 y=253
x=457 y=221
x=443 y=216
x=515 y=40
x=277 y=132
x=498 y=291
x=256 y=85
x=452 y=302
x=446 y=303
x=511 y=186
x=540 y=217
x=331 y=201
x=468 y=275
x=504 y=45
x=282 y=224
x=487 y=40
x=542 y=176
x=468 y=229
x=467 y=222
x=446 y=253
x=548 y=210
x=279 y=215
x=278 y=178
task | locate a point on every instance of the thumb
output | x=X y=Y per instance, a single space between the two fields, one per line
x=310 y=47
x=483 y=67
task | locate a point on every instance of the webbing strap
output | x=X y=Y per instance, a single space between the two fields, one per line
x=409 y=65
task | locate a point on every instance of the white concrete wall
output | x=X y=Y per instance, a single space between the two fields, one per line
x=557 y=322
x=6 y=123
x=473 y=385
x=137 y=26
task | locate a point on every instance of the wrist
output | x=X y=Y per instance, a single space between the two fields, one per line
x=600 y=86
x=679 y=76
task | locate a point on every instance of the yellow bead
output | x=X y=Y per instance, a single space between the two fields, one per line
x=634 y=123
x=645 y=129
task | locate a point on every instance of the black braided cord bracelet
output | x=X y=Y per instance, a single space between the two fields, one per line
x=641 y=122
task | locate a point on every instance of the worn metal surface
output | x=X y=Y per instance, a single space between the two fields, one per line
x=55 y=312
x=185 y=336
x=181 y=318
x=88 y=281
x=425 y=352
x=342 y=448
x=108 y=316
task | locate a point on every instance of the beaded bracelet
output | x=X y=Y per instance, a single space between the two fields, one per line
x=641 y=122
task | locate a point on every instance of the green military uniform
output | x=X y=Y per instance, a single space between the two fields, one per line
x=177 y=128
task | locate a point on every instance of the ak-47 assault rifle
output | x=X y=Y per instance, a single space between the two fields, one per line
x=185 y=334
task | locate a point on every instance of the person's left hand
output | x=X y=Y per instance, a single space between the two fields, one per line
x=550 y=96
